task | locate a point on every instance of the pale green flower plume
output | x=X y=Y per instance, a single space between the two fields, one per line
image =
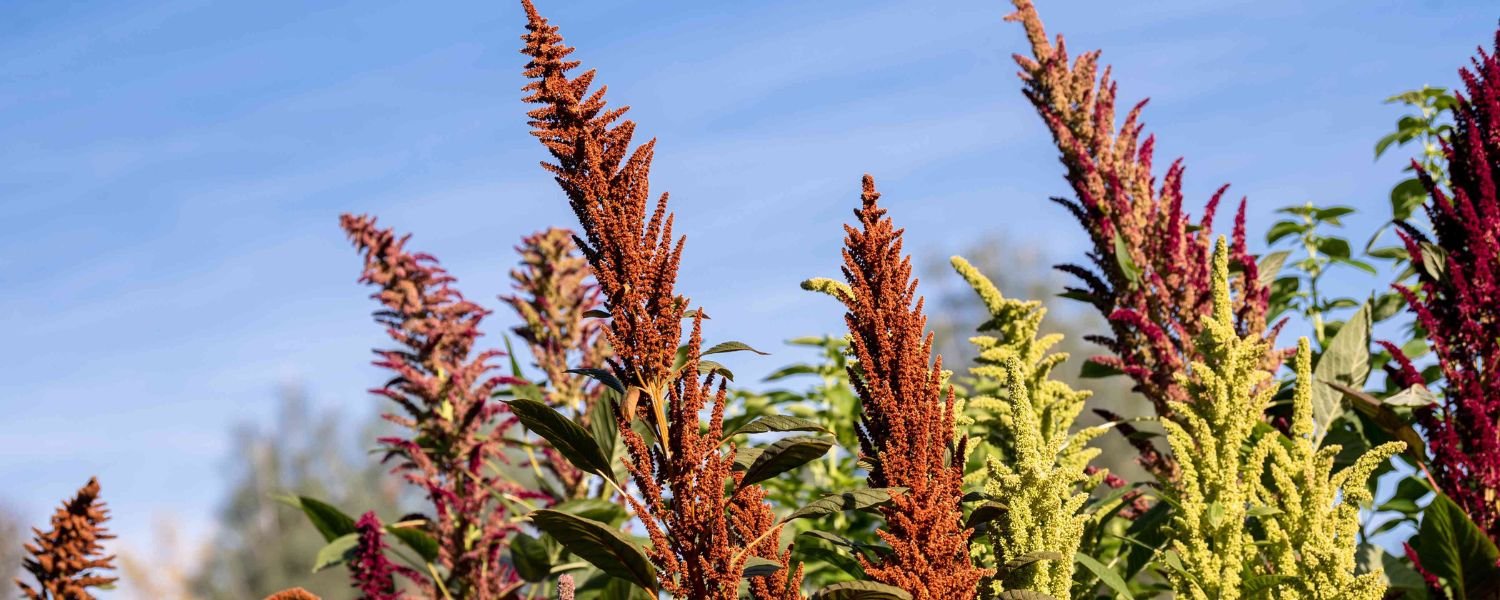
x=1310 y=516
x=1039 y=475
x=1213 y=549
x=1313 y=532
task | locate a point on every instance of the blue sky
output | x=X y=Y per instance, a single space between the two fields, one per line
x=171 y=174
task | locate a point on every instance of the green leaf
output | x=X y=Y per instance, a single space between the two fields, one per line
x=596 y=313
x=1386 y=418
x=605 y=376
x=860 y=499
x=1097 y=370
x=1434 y=261
x=1346 y=360
x=861 y=590
x=1334 y=247
x=529 y=555
x=1128 y=268
x=1023 y=595
x=708 y=367
x=732 y=347
x=1452 y=547
x=1270 y=266
x=416 y=539
x=1406 y=197
x=1105 y=574
x=603 y=511
x=785 y=372
x=1282 y=229
x=778 y=423
x=785 y=455
x=1025 y=560
x=337 y=552
x=756 y=566
x=1254 y=585
x=600 y=544
x=985 y=513
x=330 y=521
x=570 y=439
x=603 y=428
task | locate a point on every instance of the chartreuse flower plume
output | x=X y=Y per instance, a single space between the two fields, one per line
x=1213 y=494
x=1309 y=515
x=1313 y=531
x=1041 y=474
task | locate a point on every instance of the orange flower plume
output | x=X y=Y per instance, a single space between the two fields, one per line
x=907 y=429
x=68 y=560
x=698 y=532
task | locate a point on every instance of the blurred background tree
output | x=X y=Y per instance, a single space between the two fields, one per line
x=1023 y=270
x=263 y=545
x=12 y=536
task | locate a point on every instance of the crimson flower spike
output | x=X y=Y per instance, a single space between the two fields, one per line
x=1457 y=301
x=1148 y=271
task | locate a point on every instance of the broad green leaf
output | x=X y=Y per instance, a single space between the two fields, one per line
x=416 y=539
x=861 y=590
x=1023 y=595
x=1452 y=547
x=1406 y=197
x=604 y=376
x=1386 y=419
x=337 y=552
x=860 y=499
x=596 y=313
x=600 y=544
x=330 y=521
x=756 y=566
x=1105 y=574
x=1346 y=360
x=1025 y=560
x=732 y=347
x=1434 y=261
x=1270 y=266
x=1282 y=229
x=708 y=367
x=1096 y=370
x=529 y=555
x=603 y=511
x=778 y=423
x=603 y=428
x=785 y=455
x=570 y=439
x=985 y=513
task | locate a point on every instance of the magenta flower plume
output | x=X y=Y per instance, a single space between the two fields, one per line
x=373 y=574
x=1457 y=301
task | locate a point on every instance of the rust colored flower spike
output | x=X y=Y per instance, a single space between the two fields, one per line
x=554 y=292
x=444 y=389
x=69 y=559
x=1148 y=273
x=293 y=594
x=907 y=425
x=699 y=534
x=1458 y=301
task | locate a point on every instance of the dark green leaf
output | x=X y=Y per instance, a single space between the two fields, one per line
x=778 y=423
x=330 y=521
x=1128 y=268
x=1385 y=418
x=708 y=367
x=1434 y=261
x=1282 y=229
x=596 y=313
x=861 y=590
x=860 y=499
x=1097 y=370
x=605 y=376
x=600 y=544
x=603 y=511
x=785 y=455
x=1452 y=547
x=416 y=539
x=529 y=555
x=985 y=513
x=1025 y=560
x=732 y=347
x=756 y=566
x=785 y=372
x=570 y=439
